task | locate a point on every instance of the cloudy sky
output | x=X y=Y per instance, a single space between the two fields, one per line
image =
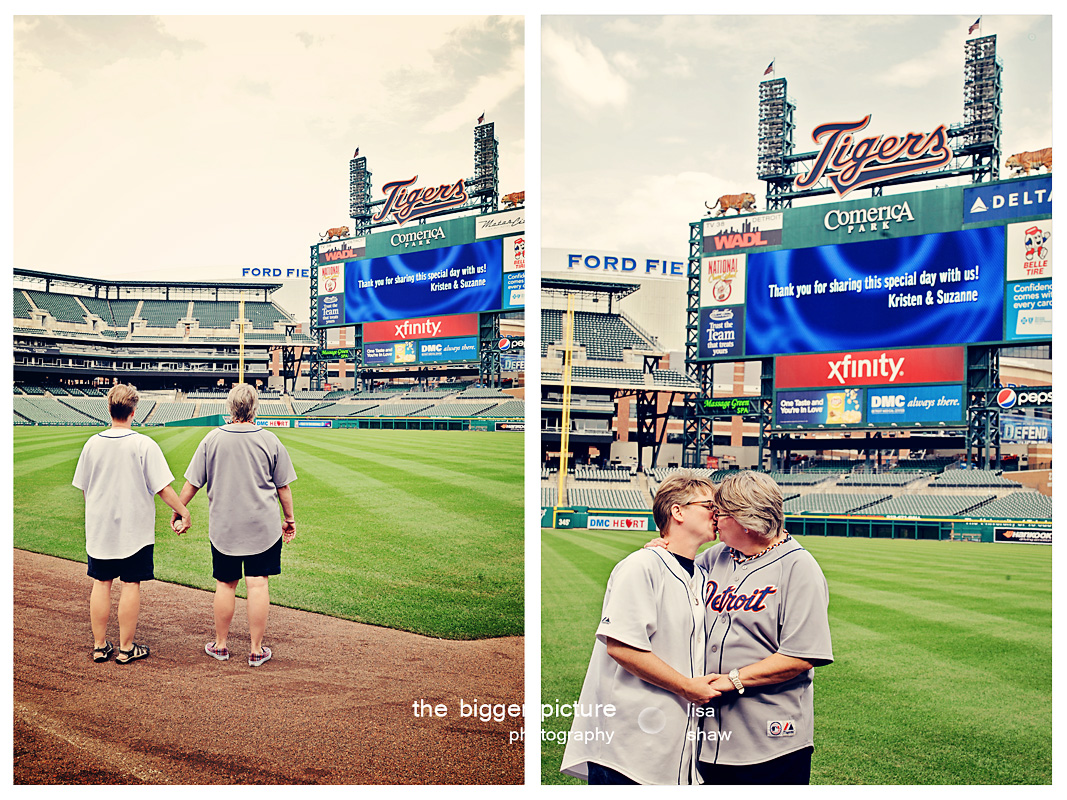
x=645 y=119
x=189 y=147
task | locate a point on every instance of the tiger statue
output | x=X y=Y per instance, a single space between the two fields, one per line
x=340 y=233
x=739 y=202
x=515 y=199
x=1024 y=162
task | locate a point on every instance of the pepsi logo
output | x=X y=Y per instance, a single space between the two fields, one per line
x=1006 y=398
x=504 y=343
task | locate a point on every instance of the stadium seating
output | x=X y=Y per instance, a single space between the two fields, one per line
x=621 y=475
x=64 y=307
x=509 y=408
x=1017 y=505
x=164 y=313
x=971 y=477
x=833 y=503
x=928 y=505
x=20 y=305
x=892 y=478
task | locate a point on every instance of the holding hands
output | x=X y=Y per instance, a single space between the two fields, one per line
x=181 y=522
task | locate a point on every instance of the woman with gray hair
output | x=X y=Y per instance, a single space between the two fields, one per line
x=247 y=472
x=766 y=605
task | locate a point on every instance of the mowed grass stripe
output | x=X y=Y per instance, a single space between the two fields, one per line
x=441 y=556
x=920 y=692
x=424 y=479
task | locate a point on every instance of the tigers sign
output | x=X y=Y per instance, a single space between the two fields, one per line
x=849 y=164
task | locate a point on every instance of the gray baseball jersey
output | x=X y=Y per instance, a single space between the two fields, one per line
x=652 y=604
x=243 y=467
x=776 y=603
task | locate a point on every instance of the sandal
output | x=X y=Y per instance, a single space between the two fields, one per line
x=102 y=654
x=134 y=653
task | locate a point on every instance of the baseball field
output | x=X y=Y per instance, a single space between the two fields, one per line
x=943 y=656
x=412 y=530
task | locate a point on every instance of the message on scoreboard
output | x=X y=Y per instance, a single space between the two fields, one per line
x=945 y=288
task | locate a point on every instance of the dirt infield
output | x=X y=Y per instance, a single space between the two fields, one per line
x=334 y=705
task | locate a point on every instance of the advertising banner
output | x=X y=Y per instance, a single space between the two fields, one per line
x=314 y=423
x=1025 y=430
x=514 y=254
x=451 y=280
x=722 y=332
x=729 y=234
x=870 y=367
x=944 y=288
x=421 y=328
x=435 y=350
x=906 y=405
x=391 y=353
x=331 y=310
x=341 y=250
x=1007 y=200
x=1029 y=311
x=722 y=281
x=1023 y=535
x=1030 y=250
x=844 y=407
x=514 y=290
x=732 y=406
x=506 y=223
x=430 y=236
x=595 y=522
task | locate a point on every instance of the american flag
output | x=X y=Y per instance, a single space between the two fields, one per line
x=355 y=153
x=977 y=24
x=770 y=68
x=481 y=119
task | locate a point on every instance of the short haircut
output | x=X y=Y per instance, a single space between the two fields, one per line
x=242 y=402
x=122 y=400
x=680 y=487
x=754 y=500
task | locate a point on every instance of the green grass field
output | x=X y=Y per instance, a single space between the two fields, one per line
x=943 y=655
x=420 y=531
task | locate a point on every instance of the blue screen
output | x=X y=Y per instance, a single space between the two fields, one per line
x=943 y=288
x=449 y=280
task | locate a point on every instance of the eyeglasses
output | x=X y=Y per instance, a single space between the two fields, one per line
x=708 y=504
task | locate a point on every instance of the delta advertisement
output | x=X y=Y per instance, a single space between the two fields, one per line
x=936 y=289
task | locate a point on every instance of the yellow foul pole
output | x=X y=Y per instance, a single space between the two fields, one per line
x=564 y=440
x=241 y=340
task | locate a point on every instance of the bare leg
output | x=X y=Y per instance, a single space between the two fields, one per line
x=258 y=608
x=225 y=602
x=129 y=608
x=100 y=611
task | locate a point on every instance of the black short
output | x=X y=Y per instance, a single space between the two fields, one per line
x=600 y=775
x=792 y=769
x=132 y=569
x=229 y=568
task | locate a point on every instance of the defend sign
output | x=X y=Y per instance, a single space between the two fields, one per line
x=617 y=523
x=871 y=368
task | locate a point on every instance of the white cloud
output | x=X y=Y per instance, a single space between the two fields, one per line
x=586 y=77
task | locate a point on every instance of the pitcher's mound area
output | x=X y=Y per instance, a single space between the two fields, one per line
x=334 y=705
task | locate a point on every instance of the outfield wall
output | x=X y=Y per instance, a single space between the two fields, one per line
x=1002 y=531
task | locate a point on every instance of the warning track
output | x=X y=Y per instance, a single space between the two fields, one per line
x=334 y=705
